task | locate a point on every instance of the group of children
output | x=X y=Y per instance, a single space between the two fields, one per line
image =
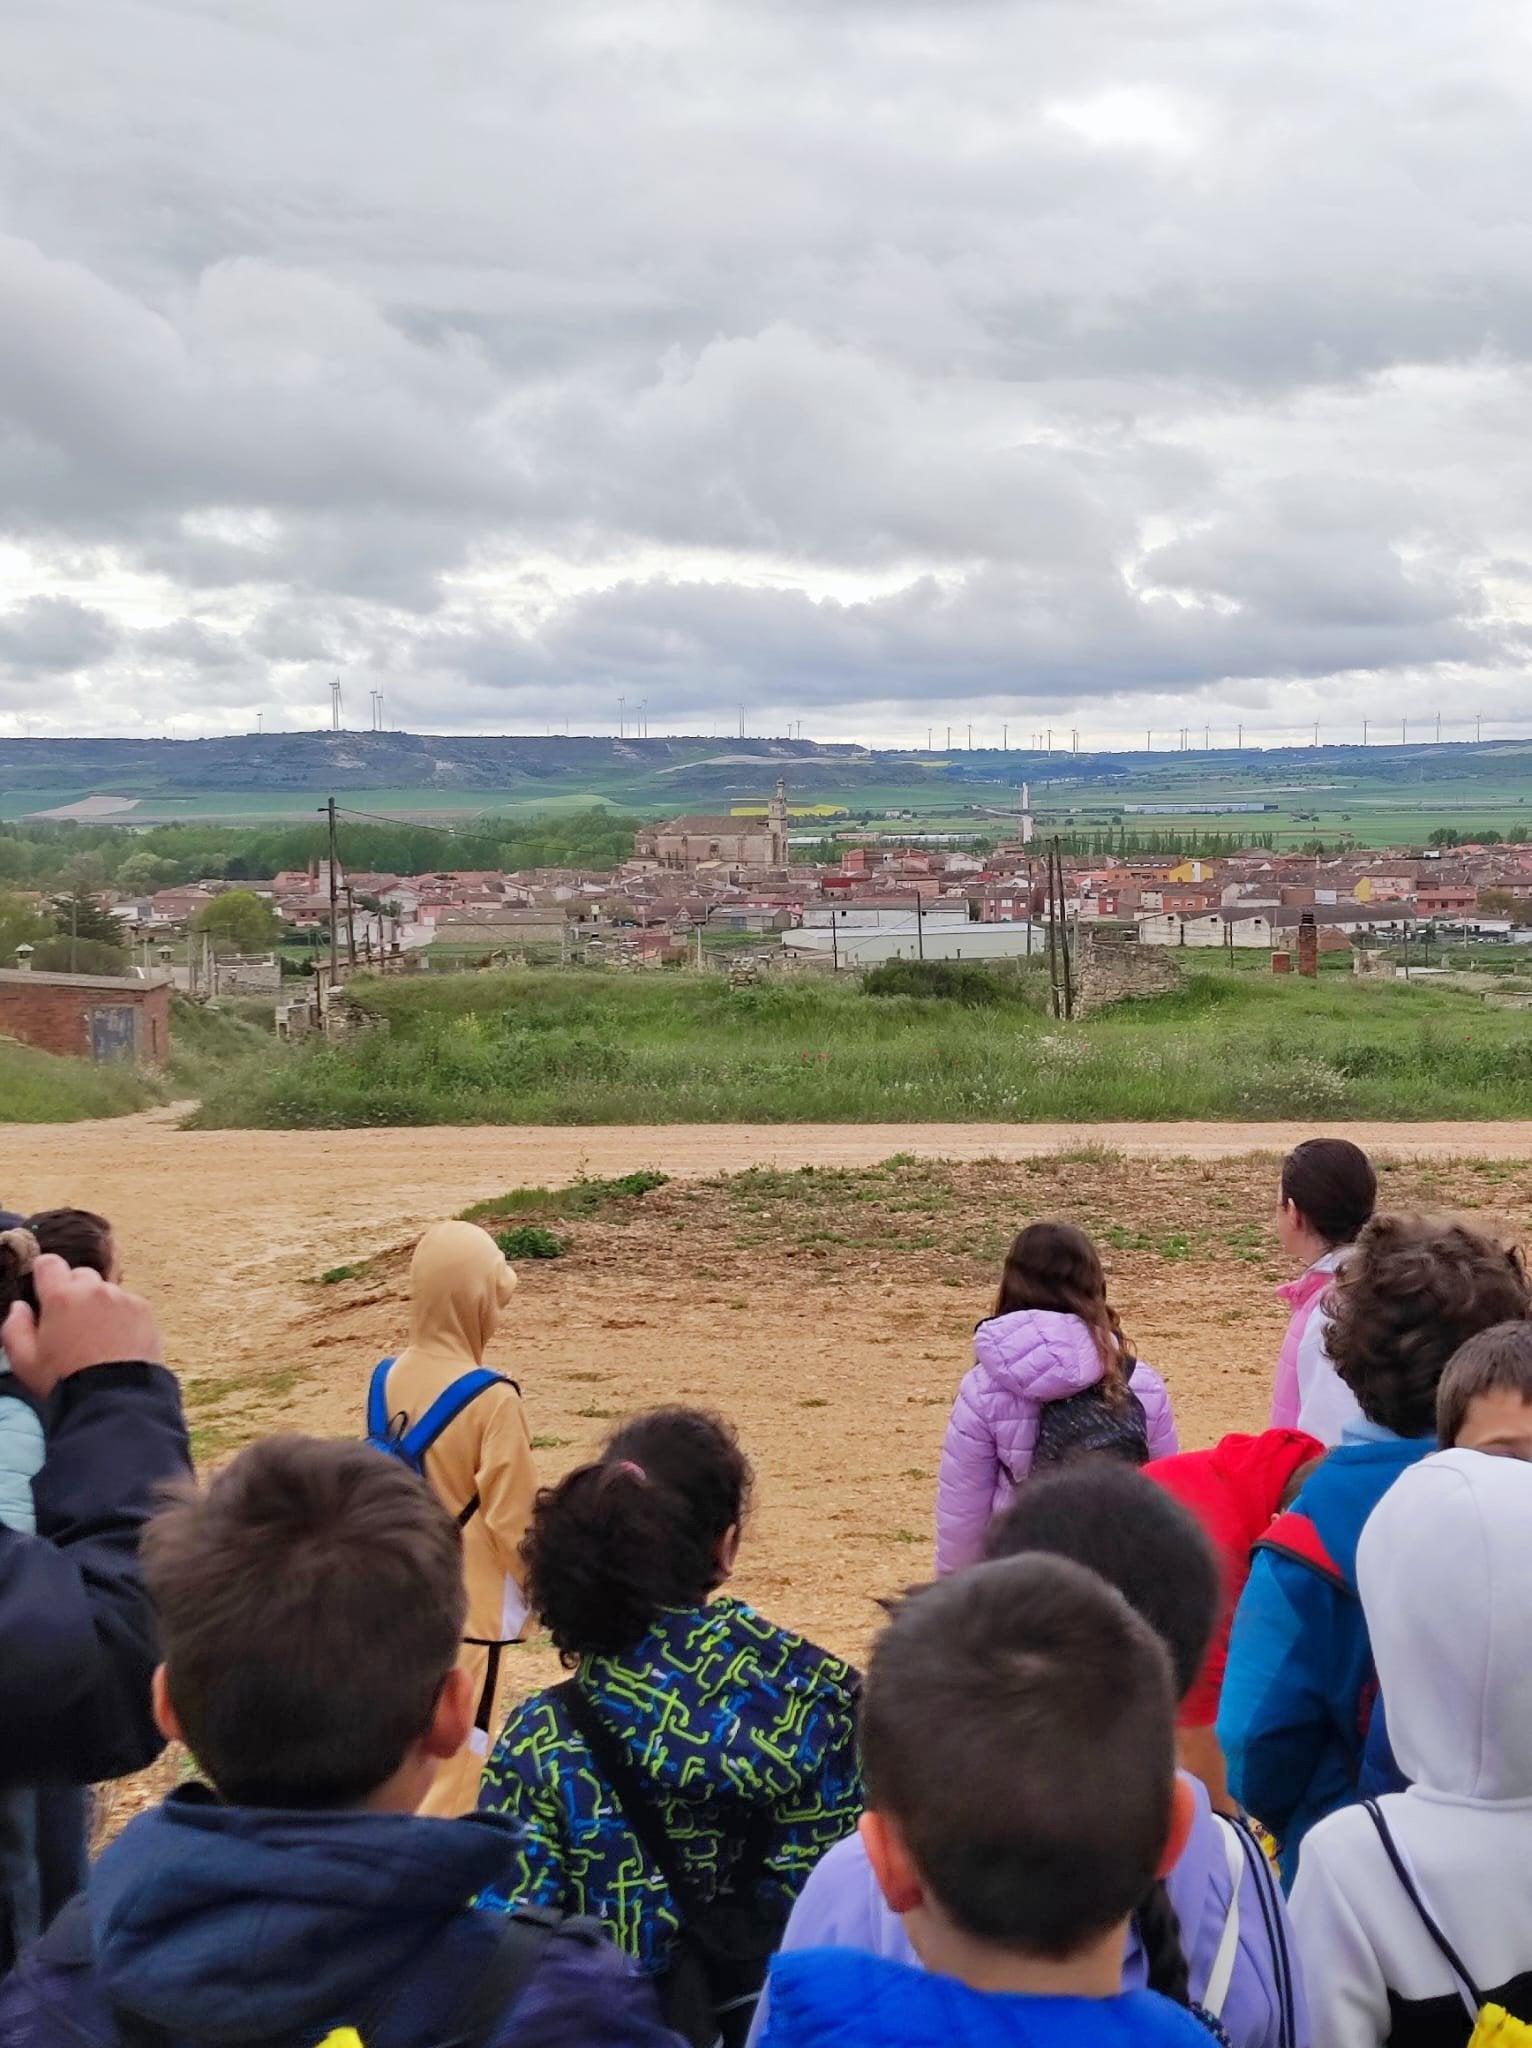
x=1177 y=1745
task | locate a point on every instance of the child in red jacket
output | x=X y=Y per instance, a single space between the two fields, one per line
x=1236 y=1490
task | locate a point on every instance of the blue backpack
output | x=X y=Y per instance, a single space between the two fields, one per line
x=388 y=1433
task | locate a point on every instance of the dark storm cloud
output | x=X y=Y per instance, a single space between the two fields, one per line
x=851 y=359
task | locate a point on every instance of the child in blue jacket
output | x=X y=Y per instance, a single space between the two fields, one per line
x=311 y=1605
x=1018 y=1734
x=1299 y=1690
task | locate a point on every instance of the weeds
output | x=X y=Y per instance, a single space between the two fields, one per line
x=532 y=1241
x=336 y=1274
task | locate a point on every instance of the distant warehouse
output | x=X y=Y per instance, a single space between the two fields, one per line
x=851 y=946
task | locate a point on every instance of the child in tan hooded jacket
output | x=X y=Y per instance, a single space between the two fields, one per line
x=460 y=1285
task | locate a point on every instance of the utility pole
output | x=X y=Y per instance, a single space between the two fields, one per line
x=920 y=928
x=834 y=943
x=350 y=926
x=334 y=900
x=1053 y=946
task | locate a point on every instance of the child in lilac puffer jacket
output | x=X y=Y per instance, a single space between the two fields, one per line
x=1052 y=1335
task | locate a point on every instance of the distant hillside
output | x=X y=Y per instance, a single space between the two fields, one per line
x=257 y=774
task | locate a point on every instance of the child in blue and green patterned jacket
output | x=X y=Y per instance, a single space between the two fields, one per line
x=694 y=1734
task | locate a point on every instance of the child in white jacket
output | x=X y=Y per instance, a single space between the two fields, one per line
x=1444 y=1568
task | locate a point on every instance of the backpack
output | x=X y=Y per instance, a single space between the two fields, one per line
x=389 y=1433
x=473 y=2020
x=1491 y=2025
x=712 y=1985
x=1088 y=1425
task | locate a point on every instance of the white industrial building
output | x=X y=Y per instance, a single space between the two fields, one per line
x=941 y=939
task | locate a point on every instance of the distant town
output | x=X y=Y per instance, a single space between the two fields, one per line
x=694 y=881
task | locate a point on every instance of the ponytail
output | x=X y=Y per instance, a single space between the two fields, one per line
x=1159 y=1930
x=638 y=1531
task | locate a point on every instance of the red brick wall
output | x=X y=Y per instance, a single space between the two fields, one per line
x=55 y=1018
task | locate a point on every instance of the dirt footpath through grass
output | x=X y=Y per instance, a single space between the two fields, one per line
x=828 y=1312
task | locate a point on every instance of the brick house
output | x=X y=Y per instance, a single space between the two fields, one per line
x=87 y=1016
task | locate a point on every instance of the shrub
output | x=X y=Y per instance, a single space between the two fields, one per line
x=953 y=981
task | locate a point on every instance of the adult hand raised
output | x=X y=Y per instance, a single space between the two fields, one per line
x=81 y=1321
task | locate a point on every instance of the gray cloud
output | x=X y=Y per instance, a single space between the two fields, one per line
x=1134 y=363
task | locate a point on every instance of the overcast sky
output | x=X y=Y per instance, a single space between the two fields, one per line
x=1107 y=364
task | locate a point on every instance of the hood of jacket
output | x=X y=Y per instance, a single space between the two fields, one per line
x=1038 y=1353
x=199 y=1911
x=1444 y=1568
x=460 y=1285
x=1255 y=1471
x=712 y=1701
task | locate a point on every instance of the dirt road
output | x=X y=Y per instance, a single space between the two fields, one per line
x=209 y=1216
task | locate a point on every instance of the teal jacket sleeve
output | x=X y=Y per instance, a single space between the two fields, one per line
x=1274 y=1719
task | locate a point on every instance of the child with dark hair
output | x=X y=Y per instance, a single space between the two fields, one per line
x=311 y=1602
x=1214 y=1932
x=1484 y=1402
x=1022 y=1799
x=701 y=1759
x=1053 y=1379
x=1328 y=1193
x=1299 y=1689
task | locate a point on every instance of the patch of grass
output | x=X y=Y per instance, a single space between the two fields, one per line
x=532 y=1241
x=338 y=1273
x=40 y=1088
x=814 y=1401
x=595 y=1414
x=551 y=1443
x=531 y=1047
x=587 y=1196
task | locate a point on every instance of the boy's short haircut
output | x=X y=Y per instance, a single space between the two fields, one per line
x=1500 y=1357
x=1133 y=1534
x=311 y=1605
x=1415 y=1289
x=1018 y=1726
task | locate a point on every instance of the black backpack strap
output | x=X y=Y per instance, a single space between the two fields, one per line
x=1448 y=1953
x=506 y=1975
x=635 y=1799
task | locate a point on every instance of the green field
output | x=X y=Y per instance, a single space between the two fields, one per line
x=582 y=1047
x=1377 y=795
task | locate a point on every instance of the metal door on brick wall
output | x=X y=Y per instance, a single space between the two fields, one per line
x=112 y=1032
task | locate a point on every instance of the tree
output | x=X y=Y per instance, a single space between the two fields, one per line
x=1499 y=903
x=61 y=955
x=20 y=925
x=239 y=922
x=79 y=915
x=142 y=872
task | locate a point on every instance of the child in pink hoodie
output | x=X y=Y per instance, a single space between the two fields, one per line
x=1052 y=1340
x=1329 y=1190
